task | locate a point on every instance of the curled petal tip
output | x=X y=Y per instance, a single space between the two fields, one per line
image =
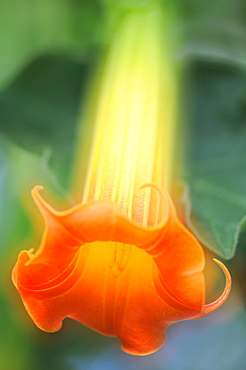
x=163 y=194
x=36 y=196
x=216 y=304
x=43 y=206
x=165 y=198
x=151 y=185
x=37 y=188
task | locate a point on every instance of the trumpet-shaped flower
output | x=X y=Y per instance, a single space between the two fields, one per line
x=120 y=261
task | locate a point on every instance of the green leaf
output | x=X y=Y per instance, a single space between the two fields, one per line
x=39 y=110
x=217 y=156
x=214 y=30
x=30 y=28
x=20 y=171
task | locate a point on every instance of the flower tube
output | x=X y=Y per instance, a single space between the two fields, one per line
x=120 y=261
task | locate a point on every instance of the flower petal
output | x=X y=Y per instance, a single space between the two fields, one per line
x=158 y=279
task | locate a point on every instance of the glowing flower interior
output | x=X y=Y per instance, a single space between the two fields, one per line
x=121 y=262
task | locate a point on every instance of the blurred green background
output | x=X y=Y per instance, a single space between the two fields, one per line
x=48 y=52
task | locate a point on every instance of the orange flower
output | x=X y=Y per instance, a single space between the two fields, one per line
x=121 y=262
x=69 y=276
